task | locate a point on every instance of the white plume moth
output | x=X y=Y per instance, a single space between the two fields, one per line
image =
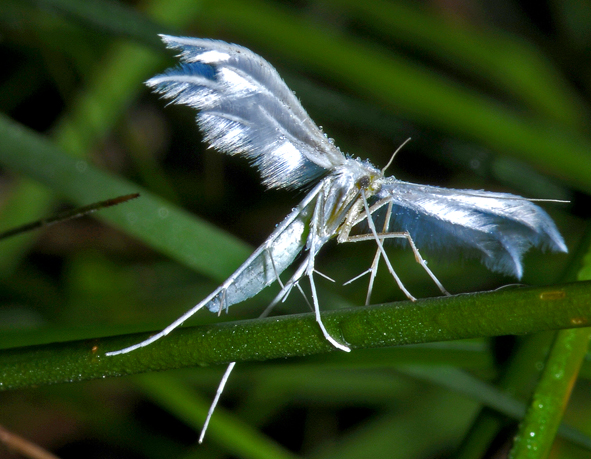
x=245 y=108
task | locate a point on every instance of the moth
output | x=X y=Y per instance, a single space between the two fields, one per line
x=245 y=108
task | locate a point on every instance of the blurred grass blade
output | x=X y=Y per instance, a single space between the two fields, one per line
x=518 y=379
x=424 y=428
x=538 y=429
x=21 y=446
x=28 y=200
x=491 y=55
x=550 y=398
x=154 y=221
x=488 y=395
x=100 y=103
x=108 y=16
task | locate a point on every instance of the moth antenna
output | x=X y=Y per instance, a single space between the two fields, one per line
x=394 y=155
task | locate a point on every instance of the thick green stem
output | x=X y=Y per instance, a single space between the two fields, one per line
x=510 y=311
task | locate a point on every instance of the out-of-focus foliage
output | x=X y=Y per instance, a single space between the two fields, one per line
x=495 y=96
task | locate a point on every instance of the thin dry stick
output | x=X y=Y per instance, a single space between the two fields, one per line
x=67 y=215
x=23 y=446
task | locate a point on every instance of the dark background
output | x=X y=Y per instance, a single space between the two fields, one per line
x=495 y=96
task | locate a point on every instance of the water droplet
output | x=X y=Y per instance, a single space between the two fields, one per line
x=81 y=166
x=131 y=217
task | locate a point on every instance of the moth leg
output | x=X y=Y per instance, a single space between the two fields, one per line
x=216 y=399
x=418 y=258
x=286 y=289
x=223 y=304
x=315 y=239
x=372 y=276
x=277 y=277
x=327 y=336
x=358 y=276
x=373 y=269
x=284 y=293
x=374 y=235
x=282 y=296
x=324 y=275
x=385 y=234
x=376 y=259
x=177 y=323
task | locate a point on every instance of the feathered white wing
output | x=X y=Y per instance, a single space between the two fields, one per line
x=246 y=108
x=498 y=228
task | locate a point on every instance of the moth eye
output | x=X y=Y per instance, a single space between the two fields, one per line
x=363 y=182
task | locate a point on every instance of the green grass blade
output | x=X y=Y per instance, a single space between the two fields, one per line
x=549 y=400
x=518 y=379
x=408 y=89
x=539 y=427
x=515 y=311
x=509 y=63
x=156 y=222
x=488 y=395
x=403 y=87
x=100 y=104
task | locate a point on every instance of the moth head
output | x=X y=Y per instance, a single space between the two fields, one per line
x=359 y=175
x=370 y=179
